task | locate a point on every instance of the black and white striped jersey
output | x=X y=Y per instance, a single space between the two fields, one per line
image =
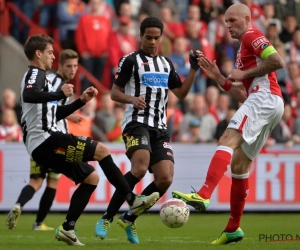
x=57 y=81
x=39 y=106
x=151 y=77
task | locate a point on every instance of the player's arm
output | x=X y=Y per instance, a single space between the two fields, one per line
x=181 y=89
x=121 y=78
x=259 y=46
x=34 y=84
x=66 y=110
x=211 y=69
x=272 y=62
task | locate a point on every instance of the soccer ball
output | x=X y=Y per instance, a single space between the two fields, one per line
x=174 y=213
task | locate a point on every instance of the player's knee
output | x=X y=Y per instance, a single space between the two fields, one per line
x=92 y=179
x=163 y=182
x=36 y=183
x=139 y=170
x=101 y=152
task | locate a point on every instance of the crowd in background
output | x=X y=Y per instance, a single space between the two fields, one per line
x=103 y=31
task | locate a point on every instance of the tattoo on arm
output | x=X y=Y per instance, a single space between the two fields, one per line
x=272 y=63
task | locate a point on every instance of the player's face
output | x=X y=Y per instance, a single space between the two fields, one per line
x=47 y=57
x=236 y=24
x=150 y=40
x=69 y=69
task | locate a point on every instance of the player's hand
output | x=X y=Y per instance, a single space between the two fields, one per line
x=76 y=118
x=68 y=89
x=139 y=102
x=236 y=75
x=193 y=58
x=88 y=94
x=210 y=68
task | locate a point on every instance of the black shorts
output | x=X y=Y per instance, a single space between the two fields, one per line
x=38 y=171
x=157 y=141
x=67 y=154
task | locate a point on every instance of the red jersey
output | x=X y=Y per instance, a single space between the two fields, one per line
x=252 y=45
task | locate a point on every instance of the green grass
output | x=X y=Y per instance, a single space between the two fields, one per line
x=199 y=231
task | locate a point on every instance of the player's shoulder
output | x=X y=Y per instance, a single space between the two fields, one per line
x=252 y=34
x=51 y=76
x=128 y=59
x=34 y=74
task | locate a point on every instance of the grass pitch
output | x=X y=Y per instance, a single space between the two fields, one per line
x=199 y=231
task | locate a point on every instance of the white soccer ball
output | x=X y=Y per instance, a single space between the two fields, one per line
x=174 y=213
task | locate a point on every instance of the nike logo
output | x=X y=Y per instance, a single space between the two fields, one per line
x=72 y=239
x=143 y=204
x=195 y=198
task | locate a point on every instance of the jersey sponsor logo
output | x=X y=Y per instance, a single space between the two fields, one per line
x=259 y=41
x=131 y=141
x=33 y=76
x=75 y=154
x=155 y=80
x=145 y=63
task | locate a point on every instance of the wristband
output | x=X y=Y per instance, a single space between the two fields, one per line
x=227 y=85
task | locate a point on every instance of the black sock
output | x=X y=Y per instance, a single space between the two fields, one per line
x=79 y=200
x=117 y=199
x=26 y=195
x=45 y=204
x=151 y=188
x=115 y=177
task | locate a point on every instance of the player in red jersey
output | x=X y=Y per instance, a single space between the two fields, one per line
x=253 y=83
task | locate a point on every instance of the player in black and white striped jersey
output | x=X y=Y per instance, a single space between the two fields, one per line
x=62 y=152
x=68 y=65
x=142 y=82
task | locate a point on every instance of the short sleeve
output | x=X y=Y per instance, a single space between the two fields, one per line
x=124 y=72
x=256 y=43
x=174 y=79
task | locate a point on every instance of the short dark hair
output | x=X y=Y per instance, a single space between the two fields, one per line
x=34 y=43
x=67 y=54
x=150 y=22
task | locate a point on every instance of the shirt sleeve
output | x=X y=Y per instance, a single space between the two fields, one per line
x=124 y=72
x=33 y=91
x=174 y=80
x=258 y=44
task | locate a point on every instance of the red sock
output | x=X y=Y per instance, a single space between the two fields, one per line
x=217 y=168
x=238 y=195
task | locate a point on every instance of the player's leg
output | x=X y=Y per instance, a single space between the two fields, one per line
x=37 y=175
x=86 y=175
x=162 y=167
x=114 y=175
x=139 y=155
x=46 y=202
x=240 y=129
x=230 y=140
x=139 y=165
x=77 y=149
x=255 y=138
x=239 y=190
